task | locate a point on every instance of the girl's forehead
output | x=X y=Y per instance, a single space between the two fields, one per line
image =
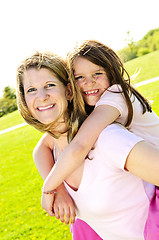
x=82 y=63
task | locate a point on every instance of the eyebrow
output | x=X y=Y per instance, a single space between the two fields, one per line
x=97 y=70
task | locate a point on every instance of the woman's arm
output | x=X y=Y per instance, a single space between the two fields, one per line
x=63 y=204
x=79 y=147
x=143 y=161
x=42 y=155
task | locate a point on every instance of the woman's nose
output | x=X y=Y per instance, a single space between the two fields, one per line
x=42 y=94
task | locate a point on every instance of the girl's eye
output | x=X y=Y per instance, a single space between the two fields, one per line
x=98 y=73
x=78 y=78
x=31 y=90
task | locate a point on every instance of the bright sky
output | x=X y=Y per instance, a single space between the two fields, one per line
x=56 y=25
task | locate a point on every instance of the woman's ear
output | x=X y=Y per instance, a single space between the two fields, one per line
x=69 y=92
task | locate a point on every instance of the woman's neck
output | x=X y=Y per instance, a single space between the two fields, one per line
x=60 y=143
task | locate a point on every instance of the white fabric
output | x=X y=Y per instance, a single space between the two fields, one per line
x=144 y=125
x=111 y=200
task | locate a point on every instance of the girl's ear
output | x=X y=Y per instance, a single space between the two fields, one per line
x=69 y=92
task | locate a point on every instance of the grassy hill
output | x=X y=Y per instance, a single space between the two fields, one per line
x=148 y=64
x=10 y=120
x=20 y=191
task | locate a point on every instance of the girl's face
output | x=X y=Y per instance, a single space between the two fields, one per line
x=91 y=79
x=45 y=95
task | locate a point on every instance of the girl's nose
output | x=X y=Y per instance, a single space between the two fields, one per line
x=89 y=80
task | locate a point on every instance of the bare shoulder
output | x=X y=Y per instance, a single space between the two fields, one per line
x=46 y=140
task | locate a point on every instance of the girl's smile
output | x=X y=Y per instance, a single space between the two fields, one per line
x=91 y=92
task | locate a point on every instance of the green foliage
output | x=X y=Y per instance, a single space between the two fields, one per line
x=128 y=53
x=150 y=40
x=149 y=43
x=143 y=51
x=9 y=93
x=8 y=102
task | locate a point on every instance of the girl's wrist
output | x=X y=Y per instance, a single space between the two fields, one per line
x=49 y=191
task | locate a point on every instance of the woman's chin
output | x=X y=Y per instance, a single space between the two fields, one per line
x=44 y=121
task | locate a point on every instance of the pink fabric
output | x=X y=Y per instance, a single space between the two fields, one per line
x=152 y=225
x=82 y=231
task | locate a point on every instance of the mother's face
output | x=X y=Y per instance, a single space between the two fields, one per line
x=45 y=95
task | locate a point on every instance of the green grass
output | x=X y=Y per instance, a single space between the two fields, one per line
x=21 y=214
x=20 y=190
x=148 y=64
x=10 y=120
x=150 y=91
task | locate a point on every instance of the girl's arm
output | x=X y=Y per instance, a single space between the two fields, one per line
x=143 y=161
x=79 y=147
x=63 y=204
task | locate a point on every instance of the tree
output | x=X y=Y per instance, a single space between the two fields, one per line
x=149 y=43
x=9 y=93
x=130 y=51
x=8 y=102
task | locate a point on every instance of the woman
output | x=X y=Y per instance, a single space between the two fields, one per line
x=51 y=81
x=108 y=189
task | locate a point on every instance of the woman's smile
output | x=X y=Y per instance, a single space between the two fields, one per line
x=43 y=108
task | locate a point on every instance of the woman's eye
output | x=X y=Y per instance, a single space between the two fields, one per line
x=50 y=85
x=31 y=90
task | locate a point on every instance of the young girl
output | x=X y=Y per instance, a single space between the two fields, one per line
x=101 y=77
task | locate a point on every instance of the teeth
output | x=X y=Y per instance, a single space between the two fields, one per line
x=91 y=92
x=43 y=108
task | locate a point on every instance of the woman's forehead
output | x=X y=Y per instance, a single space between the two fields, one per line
x=34 y=76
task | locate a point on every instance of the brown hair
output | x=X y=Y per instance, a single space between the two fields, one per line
x=105 y=57
x=76 y=112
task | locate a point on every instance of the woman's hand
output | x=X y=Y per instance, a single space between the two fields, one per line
x=47 y=203
x=64 y=206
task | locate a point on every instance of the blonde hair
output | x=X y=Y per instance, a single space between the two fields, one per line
x=101 y=55
x=75 y=114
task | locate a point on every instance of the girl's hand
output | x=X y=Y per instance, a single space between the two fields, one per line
x=47 y=203
x=63 y=206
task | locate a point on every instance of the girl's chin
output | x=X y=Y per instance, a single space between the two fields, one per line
x=91 y=103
